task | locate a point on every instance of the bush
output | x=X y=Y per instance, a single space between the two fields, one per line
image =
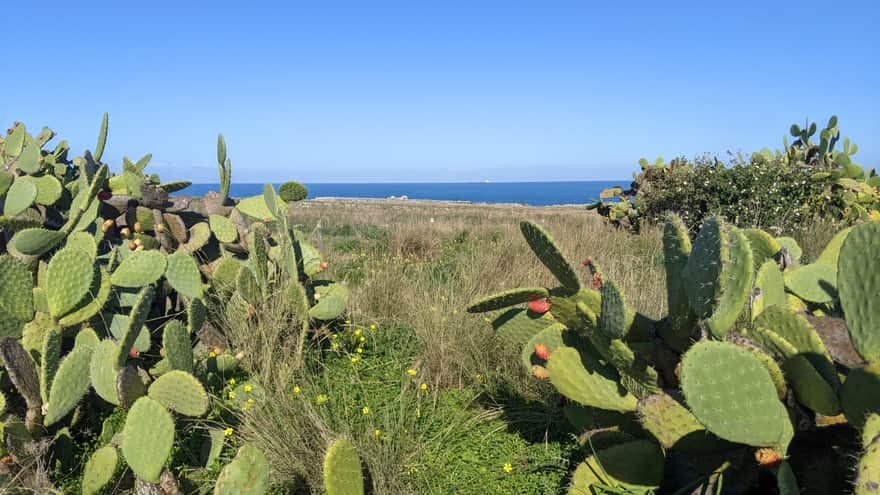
x=292 y=191
x=774 y=190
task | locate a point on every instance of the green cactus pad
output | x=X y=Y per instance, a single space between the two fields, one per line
x=119 y=325
x=507 y=298
x=92 y=303
x=20 y=197
x=86 y=337
x=668 y=421
x=703 y=272
x=99 y=470
x=792 y=247
x=137 y=318
x=581 y=377
x=816 y=282
x=103 y=370
x=810 y=387
x=225 y=274
x=176 y=226
x=332 y=302
x=175 y=186
x=211 y=448
x=564 y=307
x=181 y=392
x=129 y=386
x=36 y=241
x=868 y=470
x=546 y=250
x=84 y=242
x=248 y=472
x=771 y=286
x=858 y=278
x=676 y=249
x=138 y=269
x=16 y=285
x=34 y=332
x=255 y=207
x=68 y=279
x=616 y=317
x=196 y=314
x=800 y=333
x=764 y=246
x=223 y=228
x=831 y=254
x=342 y=469
x=50 y=358
x=199 y=235
x=177 y=345
x=860 y=393
x=70 y=384
x=516 y=326
x=551 y=336
x=147 y=438
x=636 y=466
x=48 y=189
x=247 y=286
x=871 y=429
x=730 y=391
x=184 y=276
x=736 y=285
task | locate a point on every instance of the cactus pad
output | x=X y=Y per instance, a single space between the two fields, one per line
x=507 y=298
x=636 y=466
x=816 y=282
x=255 y=207
x=764 y=246
x=68 y=279
x=16 y=284
x=800 y=333
x=147 y=438
x=181 y=392
x=332 y=303
x=771 y=287
x=48 y=189
x=667 y=420
x=70 y=384
x=84 y=242
x=102 y=370
x=177 y=345
x=342 y=469
x=858 y=278
x=138 y=269
x=860 y=393
x=183 y=275
x=223 y=228
x=199 y=235
x=196 y=314
x=50 y=358
x=676 y=249
x=129 y=386
x=792 y=247
x=736 y=284
x=22 y=371
x=548 y=253
x=831 y=254
x=136 y=320
x=616 y=317
x=730 y=391
x=248 y=472
x=36 y=241
x=20 y=197
x=518 y=325
x=99 y=470
x=581 y=377
x=550 y=336
x=94 y=300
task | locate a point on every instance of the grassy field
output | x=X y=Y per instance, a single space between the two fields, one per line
x=434 y=402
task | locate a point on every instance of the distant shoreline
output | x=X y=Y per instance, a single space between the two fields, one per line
x=435 y=202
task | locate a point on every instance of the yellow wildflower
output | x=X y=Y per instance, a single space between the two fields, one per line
x=212 y=354
x=378 y=433
x=363 y=339
x=411 y=372
x=228 y=432
x=296 y=389
x=231 y=395
x=508 y=468
x=373 y=327
x=250 y=401
x=423 y=386
x=358 y=332
x=248 y=388
x=232 y=381
x=360 y=350
x=355 y=359
x=365 y=410
x=322 y=399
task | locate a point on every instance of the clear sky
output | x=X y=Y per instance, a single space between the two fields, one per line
x=438 y=91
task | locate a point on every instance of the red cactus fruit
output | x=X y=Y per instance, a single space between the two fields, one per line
x=587 y=261
x=540 y=372
x=542 y=351
x=104 y=195
x=767 y=457
x=134 y=352
x=323 y=266
x=597 y=280
x=539 y=306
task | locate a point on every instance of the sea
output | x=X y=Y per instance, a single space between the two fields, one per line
x=530 y=193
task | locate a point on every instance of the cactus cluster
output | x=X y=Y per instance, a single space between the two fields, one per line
x=758 y=349
x=106 y=283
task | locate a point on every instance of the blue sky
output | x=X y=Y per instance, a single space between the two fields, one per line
x=438 y=91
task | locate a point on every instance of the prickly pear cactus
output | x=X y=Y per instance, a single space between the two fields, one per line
x=247 y=473
x=147 y=438
x=180 y=392
x=99 y=470
x=342 y=469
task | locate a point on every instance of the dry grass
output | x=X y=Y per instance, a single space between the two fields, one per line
x=419 y=264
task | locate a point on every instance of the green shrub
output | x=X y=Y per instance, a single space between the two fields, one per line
x=292 y=191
